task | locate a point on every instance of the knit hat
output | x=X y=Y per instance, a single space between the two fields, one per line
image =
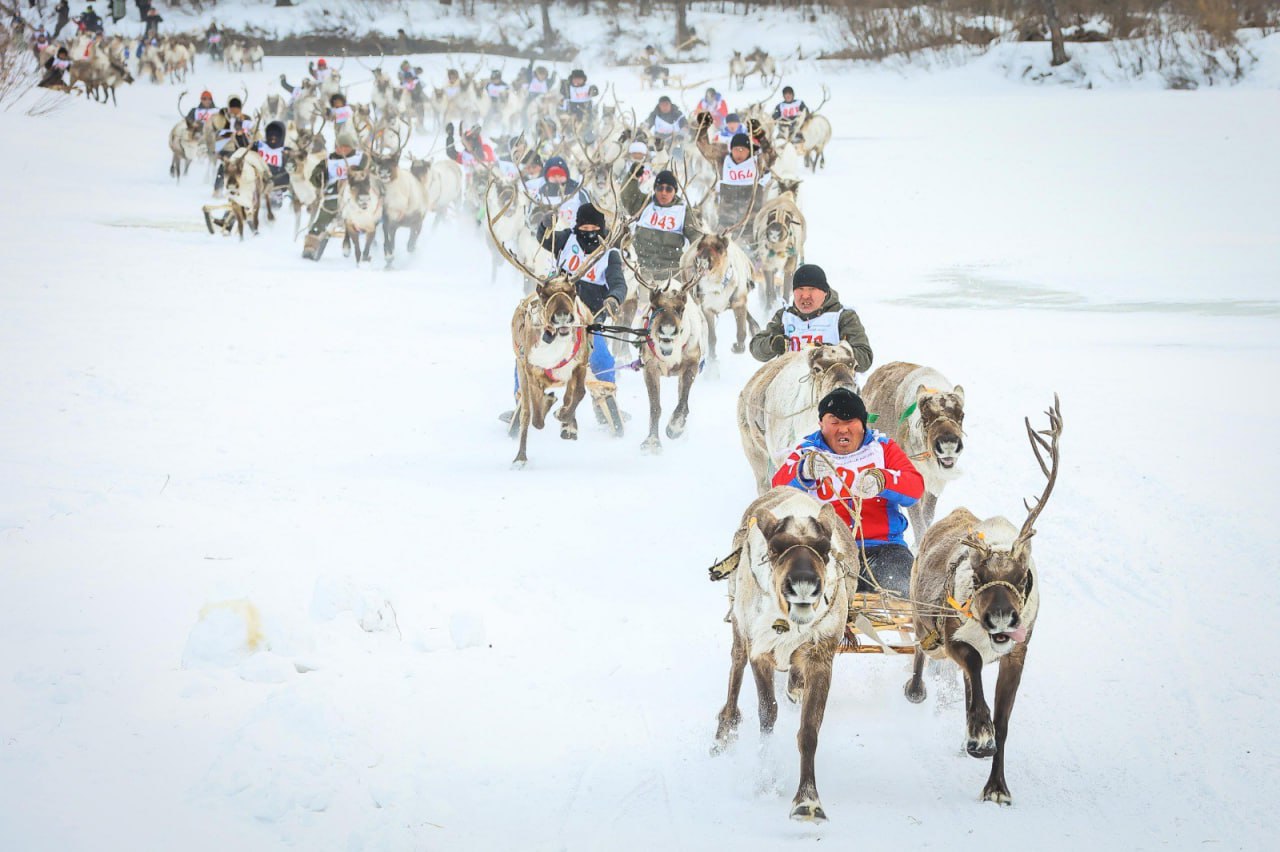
x=665 y=178
x=589 y=215
x=810 y=275
x=556 y=166
x=321 y=63
x=577 y=72
x=637 y=147
x=740 y=140
x=732 y=118
x=845 y=405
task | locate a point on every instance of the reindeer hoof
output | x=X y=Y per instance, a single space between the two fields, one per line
x=809 y=810
x=652 y=446
x=519 y=464
x=997 y=793
x=983 y=745
x=914 y=691
x=569 y=433
x=674 y=431
x=737 y=348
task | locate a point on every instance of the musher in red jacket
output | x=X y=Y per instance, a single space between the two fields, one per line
x=844 y=461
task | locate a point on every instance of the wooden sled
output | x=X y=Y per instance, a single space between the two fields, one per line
x=891 y=619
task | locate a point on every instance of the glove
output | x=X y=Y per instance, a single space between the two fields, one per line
x=611 y=306
x=869 y=483
x=448 y=130
x=637 y=169
x=777 y=344
x=812 y=468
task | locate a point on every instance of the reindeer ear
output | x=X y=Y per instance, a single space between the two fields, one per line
x=958 y=391
x=921 y=391
x=767 y=523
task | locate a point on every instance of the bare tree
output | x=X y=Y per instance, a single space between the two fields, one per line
x=682 y=22
x=548 y=34
x=1055 y=32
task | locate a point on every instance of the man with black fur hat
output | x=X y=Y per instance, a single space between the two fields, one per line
x=665 y=227
x=815 y=318
x=868 y=480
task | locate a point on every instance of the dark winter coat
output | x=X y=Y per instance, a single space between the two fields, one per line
x=771 y=341
x=658 y=252
x=592 y=295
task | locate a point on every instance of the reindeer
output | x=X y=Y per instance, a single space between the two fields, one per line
x=178 y=59
x=233 y=56
x=361 y=211
x=444 y=181
x=927 y=420
x=762 y=64
x=552 y=347
x=812 y=139
x=779 y=404
x=184 y=142
x=974 y=584
x=254 y=55
x=721 y=271
x=247 y=178
x=737 y=70
x=404 y=199
x=790 y=605
x=101 y=71
x=274 y=108
x=675 y=347
x=788 y=170
x=779 y=234
x=511 y=230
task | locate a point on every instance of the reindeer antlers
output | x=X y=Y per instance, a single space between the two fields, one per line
x=502 y=249
x=1039 y=446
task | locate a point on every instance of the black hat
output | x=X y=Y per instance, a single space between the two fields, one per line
x=740 y=140
x=810 y=275
x=275 y=129
x=234 y=102
x=665 y=178
x=577 y=72
x=845 y=405
x=589 y=215
x=664 y=100
x=787 y=90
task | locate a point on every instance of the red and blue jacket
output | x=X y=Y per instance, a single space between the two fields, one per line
x=882 y=518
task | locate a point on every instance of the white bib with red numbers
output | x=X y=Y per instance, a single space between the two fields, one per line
x=273 y=157
x=838 y=487
x=496 y=90
x=580 y=94
x=789 y=110
x=567 y=212
x=663 y=127
x=205 y=114
x=338 y=168
x=342 y=114
x=739 y=174
x=668 y=219
x=805 y=334
x=574 y=255
x=537 y=87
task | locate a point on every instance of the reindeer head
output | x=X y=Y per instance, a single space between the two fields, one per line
x=832 y=367
x=558 y=302
x=942 y=420
x=666 y=316
x=998 y=579
x=710 y=253
x=799 y=551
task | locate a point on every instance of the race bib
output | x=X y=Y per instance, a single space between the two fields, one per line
x=789 y=110
x=805 y=334
x=341 y=114
x=273 y=157
x=739 y=174
x=666 y=219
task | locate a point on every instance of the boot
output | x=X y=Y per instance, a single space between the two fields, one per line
x=313 y=246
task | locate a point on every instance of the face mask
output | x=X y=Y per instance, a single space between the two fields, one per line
x=589 y=240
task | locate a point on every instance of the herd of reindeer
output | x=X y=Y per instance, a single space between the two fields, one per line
x=793 y=573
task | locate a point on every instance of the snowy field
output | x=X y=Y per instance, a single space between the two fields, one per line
x=466 y=657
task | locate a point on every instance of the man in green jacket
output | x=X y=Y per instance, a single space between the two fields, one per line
x=665 y=227
x=815 y=318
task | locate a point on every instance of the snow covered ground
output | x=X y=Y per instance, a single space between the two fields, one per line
x=453 y=655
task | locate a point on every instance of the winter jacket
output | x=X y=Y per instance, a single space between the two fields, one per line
x=882 y=521
x=772 y=340
x=658 y=250
x=673 y=122
x=591 y=293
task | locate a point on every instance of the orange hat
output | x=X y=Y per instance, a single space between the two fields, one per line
x=206 y=94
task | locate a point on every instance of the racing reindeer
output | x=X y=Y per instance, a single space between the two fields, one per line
x=721 y=272
x=812 y=135
x=976 y=592
x=675 y=347
x=790 y=605
x=779 y=233
x=552 y=346
x=404 y=197
x=360 y=210
x=921 y=410
x=737 y=70
x=184 y=143
x=247 y=178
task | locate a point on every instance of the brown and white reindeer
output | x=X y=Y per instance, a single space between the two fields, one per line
x=780 y=233
x=404 y=202
x=779 y=404
x=552 y=347
x=790 y=605
x=737 y=70
x=360 y=208
x=722 y=275
x=924 y=413
x=246 y=180
x=975 y=588
x=676 y=347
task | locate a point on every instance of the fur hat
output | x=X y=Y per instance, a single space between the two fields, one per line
x=589 y=215
x=845 y=405
x=810 y=275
